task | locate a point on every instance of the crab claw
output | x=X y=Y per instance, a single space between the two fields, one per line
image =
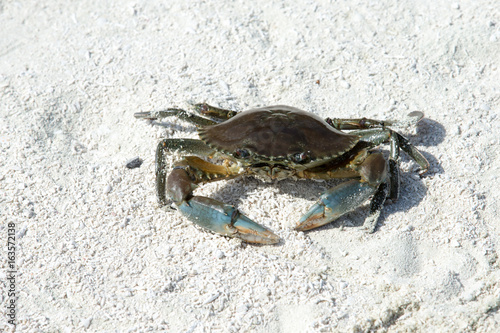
x=225 y=220
x=334 y=203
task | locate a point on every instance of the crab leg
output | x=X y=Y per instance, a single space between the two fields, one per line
x=376 y=206
x=394 y=175
x=181 y=114
x=397 y=142
x=225 y=220
x=365 y=123
x=413 y=152
x=348 y=196
x=343 y=199
x=336 y=202
x=209 y=213
x=191 y=146
x=214 y=113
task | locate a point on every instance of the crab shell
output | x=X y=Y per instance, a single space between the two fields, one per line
x=278 y=135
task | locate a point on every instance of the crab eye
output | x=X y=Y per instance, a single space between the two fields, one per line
x=300 y=157
x=241 y=153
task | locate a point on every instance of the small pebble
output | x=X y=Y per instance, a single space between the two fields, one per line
x=124 y=222
x=93 y=167
x=20 y=234
x=344 y=84
x=86 y=322
x=219 y=254
x=212 y=298
x=485 y=107
x=242 y=308
x=133 y=163
x=455 y=130
x=107 y=189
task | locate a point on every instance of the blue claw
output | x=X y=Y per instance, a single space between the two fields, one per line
x=225 y=220
x=334 y=203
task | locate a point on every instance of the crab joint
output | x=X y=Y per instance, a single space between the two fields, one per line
x=179 y=185
x=374 y=168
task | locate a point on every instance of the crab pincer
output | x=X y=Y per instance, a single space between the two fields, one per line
x=334 y=203
x=225 y=220
x=372 y=169
x=206 y=212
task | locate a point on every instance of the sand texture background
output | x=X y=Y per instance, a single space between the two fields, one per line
x=95 y=252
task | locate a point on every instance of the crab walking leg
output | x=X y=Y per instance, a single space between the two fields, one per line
x=397 y=142
x=209 y=213
x=376 y=206
x=365 y=123
x=214 y=113
x=413 y=152
x=179 y=113
x=394 y=176
x=336 y=202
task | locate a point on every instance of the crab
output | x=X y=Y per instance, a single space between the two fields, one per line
x=277 y=142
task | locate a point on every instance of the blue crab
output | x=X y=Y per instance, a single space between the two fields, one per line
x=278 y=142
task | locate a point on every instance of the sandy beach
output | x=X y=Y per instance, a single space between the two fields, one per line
x=94 y=252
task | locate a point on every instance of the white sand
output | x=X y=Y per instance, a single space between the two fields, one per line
x=96 y=253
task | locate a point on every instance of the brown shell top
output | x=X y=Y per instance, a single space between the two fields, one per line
x=277 y=132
